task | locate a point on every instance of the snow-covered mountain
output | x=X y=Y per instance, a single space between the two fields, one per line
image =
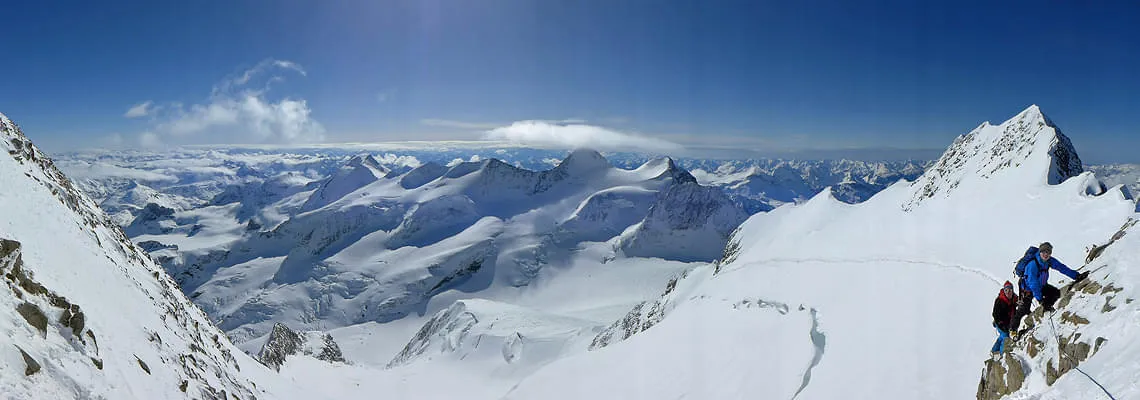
x=86 y=314
x=188 y=178
x=760 y=185
x=890 y=298
x=365 y=245
x=988 y=150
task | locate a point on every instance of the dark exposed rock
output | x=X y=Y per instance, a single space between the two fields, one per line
x=154 y=245
x=34 y=316
x=1073 y=318
x=73 y=318
x=284 y=342
x=1001 y=377
x=643 y=316
x=1111 y=289
x=31 y=366
x=143 y=365
x=459 y=275
x=329 y=350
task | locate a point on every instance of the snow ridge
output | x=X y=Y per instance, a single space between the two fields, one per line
x=74 y=271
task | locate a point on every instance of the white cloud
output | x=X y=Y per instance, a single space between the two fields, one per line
x=574 y=135
x=457 y=161
x=239 y=112
x=201 y=117
x=140 y=110
x=76 y=169
x=261 y=67
x=398 y=160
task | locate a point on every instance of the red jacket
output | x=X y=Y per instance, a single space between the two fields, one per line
x=1004 y=307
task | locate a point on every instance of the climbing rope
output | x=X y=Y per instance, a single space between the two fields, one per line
x=1073 y=359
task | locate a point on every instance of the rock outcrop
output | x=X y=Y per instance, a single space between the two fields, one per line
x=1055 y=343
x=284 y=342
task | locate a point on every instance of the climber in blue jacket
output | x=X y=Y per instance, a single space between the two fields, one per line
x=1035 y=283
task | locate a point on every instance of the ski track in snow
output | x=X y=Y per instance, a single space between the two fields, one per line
x=823 y=260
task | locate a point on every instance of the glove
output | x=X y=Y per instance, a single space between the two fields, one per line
x=1081 y=276
x=1049 y=308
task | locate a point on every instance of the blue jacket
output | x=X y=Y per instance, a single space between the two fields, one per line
x=1036 y=277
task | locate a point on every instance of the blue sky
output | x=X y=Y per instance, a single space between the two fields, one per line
x=769 y=75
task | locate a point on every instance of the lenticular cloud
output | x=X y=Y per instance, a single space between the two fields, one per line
x=576 y=135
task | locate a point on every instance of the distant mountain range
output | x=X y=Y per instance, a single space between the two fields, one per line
x=522 y=273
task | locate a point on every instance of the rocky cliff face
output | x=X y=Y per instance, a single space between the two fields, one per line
x=689 y=222
x=284 y=342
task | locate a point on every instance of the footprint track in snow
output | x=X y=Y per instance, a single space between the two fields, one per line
x=823 y=260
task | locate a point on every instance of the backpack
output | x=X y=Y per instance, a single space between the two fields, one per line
x=1030 y=255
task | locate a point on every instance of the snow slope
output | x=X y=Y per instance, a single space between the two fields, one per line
x=897 y=288
x=98 y=318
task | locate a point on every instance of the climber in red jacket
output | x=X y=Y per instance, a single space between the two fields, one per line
x=1004 y=307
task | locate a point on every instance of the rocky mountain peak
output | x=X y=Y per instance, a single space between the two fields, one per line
x=364 y=160
x=678 y=174
x=1029 y=141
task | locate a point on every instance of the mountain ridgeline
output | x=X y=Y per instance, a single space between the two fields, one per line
x=355 y=275
x=370 y=243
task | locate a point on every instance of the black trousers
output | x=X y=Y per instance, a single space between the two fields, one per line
x=1049 y=295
